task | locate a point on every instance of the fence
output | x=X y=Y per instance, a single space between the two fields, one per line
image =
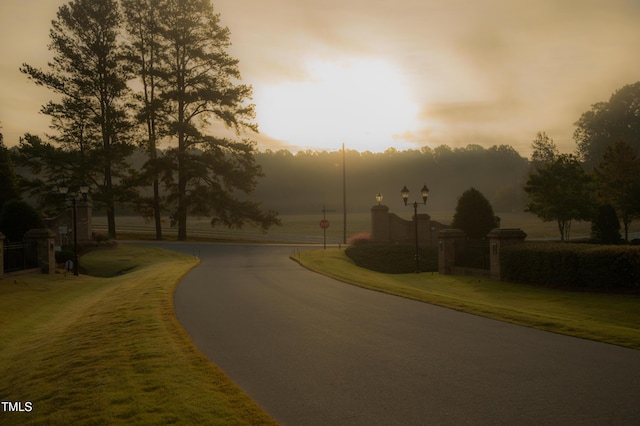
x=20 y=256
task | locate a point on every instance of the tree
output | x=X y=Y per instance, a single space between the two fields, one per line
x=544 y=149
x=560 y=191
x=606 y=122
x=144 y=53
x=8 y=183
x=618 y=178
x=17 y=217
x=198 y=87
x=605 y=226
x=89 y=73
x=474 y=214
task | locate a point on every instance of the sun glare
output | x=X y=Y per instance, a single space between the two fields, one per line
x=364 y=103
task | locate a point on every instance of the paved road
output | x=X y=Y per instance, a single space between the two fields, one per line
x=313 y=351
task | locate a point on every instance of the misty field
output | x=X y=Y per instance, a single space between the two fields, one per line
x=306 y=229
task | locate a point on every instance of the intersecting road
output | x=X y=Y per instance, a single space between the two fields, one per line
x=313 y=351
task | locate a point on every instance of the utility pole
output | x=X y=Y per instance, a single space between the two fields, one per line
x=344 y=192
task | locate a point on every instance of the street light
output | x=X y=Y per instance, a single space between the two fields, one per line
x=424 y=192
x=83 y=191
x=379 y=198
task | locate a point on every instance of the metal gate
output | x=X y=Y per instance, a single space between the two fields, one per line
x=473 y=254
x=20 y=256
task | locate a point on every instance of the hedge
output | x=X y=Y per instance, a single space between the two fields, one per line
x=393 y=259
x=580 y=266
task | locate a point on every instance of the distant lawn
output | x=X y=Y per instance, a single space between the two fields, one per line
x=607 y=318
x=97 y=350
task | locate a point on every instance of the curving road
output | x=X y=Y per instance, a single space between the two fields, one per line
x=313 y=351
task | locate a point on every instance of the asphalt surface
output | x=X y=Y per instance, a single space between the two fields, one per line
x=313 y=351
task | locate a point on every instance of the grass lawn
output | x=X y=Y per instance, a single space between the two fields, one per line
x=107 y=348
x=609 y=318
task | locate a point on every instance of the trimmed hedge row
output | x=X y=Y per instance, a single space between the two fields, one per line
x=580 y=266
x=393 y=259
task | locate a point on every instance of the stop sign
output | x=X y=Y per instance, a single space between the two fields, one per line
x=324 y=224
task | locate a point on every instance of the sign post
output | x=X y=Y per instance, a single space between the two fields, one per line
x=324 y=224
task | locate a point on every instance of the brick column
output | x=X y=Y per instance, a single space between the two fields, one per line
x=498 y=239
x=45 y=240
x=380 y=224
x=447 y=239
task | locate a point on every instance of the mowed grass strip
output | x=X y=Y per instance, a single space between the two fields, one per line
x=610 y=318
x=91 y=350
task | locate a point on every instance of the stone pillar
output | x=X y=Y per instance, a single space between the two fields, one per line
x=380 y=224
x=45 y=240
x=85 y=226
x=498 y=239
x=2 y=237
x=424 y=228
x=447 y=239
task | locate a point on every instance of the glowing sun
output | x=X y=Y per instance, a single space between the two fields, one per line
x=365 y=103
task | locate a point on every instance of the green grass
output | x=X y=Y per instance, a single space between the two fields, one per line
x=98 y=350
x=609 y=318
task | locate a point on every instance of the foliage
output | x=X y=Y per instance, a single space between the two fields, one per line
x=605 y=226
x=580 y=266
x=314 y=178
x=393 y=259
x=474 y=215
x=606 y=122
x=560 y=191
x=618 y=179
x=200 y=85
x=8 y=180
x=360 y=238
x=144 y=51
x=544 y=150
x=89 y=76
x=17 y=217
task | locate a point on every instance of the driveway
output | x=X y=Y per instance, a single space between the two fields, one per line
x=314 y=351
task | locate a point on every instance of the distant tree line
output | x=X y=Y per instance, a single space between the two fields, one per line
x=128 y=74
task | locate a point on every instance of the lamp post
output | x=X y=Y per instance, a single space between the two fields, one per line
x=424 y=192
x=83 y=191
x=379 y=198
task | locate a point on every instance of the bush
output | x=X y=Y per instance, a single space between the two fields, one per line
x=393 y=259
x=64 y=255
x=18 y=217
x=361 y=238
x=579 y=266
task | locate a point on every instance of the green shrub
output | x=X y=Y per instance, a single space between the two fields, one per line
x=393 y=259
x=580 y=266
x=63 y=255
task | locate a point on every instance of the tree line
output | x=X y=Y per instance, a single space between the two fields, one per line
x=128 y=74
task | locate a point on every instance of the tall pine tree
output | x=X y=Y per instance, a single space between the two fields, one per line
x=199 y=86
x=90 y=77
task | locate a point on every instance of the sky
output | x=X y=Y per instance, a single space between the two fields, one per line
x=376 y=74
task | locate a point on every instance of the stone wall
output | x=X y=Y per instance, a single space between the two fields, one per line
x=390 y=228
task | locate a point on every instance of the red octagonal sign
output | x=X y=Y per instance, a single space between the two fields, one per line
x=324 y=224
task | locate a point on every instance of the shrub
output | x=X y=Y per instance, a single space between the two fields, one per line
x=63 y=255
x=579 y=266
x=392 y=259
x=360 y=238
x=99 y=237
